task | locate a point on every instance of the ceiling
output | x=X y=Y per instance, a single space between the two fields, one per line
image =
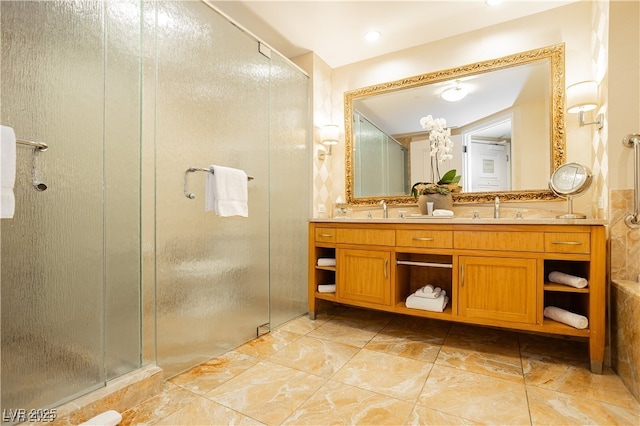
x=398 y=113
x=334 y=29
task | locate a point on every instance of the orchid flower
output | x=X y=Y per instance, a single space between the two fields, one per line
x=439 y=137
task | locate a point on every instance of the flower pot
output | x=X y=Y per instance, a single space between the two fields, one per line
x=439 y=201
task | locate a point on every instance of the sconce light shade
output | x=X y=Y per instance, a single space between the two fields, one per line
x=329 y=134
x=582 y=96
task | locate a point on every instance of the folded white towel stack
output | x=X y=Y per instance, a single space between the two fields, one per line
x=429 y=292
x=7 y=172
x=226 y=192
x=435 y=305
x=326 y=261
x=571 y=280
x=443 y=212
x=566 y=317
x=326 y=288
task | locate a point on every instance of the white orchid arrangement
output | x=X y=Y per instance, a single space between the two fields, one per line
x=441 y=150
x=439 y=137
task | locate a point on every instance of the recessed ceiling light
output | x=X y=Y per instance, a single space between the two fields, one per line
x=493 y=2
x=372 y=35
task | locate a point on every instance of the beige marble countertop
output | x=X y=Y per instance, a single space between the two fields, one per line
x=463 y=215
x=465 y=220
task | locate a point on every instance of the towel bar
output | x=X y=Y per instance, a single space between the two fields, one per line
x=427 y=264
x=191 y=195
x=633 y=141
x=40 y=146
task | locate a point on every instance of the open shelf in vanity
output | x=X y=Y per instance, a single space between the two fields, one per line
x=493 y=274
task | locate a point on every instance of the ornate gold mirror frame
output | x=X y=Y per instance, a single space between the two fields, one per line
x=556 y=56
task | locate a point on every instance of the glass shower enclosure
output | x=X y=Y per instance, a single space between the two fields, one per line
x=112 y=267
x=70 y=256
x=236 y=104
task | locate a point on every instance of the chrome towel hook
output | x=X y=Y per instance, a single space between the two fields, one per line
x=39 y=186
x=38 y=147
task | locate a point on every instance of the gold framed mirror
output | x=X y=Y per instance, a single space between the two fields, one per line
x=546 y=147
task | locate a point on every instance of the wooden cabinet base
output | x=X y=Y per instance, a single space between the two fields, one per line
x=494 y=275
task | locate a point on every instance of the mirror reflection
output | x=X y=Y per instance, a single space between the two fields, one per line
x=507 y=125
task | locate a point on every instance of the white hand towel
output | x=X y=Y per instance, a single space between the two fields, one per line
x=326 y=261
x=226 y=192
x=434 y=305
x=7 y=172
x=571 y=280
x=443 y=212
x=326 y=288
x=566 y=317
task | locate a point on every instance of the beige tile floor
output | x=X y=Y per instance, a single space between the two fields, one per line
x=355 y=366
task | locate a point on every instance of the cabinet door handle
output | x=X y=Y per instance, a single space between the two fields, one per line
x=325 y=235
x=423 y=239
x=462 y=276
x=386 y=265
x=568 y=243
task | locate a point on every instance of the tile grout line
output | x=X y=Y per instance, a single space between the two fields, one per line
x=524 y=380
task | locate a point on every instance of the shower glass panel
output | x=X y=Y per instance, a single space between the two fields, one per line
x=369 y=155
x=288 y=199
x=122 y=194
x=212 y=108
x=70 y=254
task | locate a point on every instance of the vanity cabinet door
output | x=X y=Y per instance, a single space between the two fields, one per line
x=501 y=289
x=364 y=276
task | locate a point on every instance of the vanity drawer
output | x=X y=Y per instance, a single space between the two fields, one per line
x=492 y=240
x=376 y=237
x=567 y=242
x=326 y=235
x=426 y=239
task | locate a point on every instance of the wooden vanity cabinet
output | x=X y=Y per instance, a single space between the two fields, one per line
x=494 y=274
x=497 y=288
x=364 y=277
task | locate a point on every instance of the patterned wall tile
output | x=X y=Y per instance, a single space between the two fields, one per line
x=624 y=242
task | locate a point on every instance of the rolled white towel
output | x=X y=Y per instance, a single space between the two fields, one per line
x=443 y=212
x=429 y=292
x=108 y=418
x=566 y=317
x=435 y=305
x=326 y=261
x=326 y=288
x=571 y=280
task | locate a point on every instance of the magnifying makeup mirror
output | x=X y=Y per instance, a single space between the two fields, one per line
x=568 y=181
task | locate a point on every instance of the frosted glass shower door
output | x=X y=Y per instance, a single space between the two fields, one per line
x=212 y=108
x=288 y=192
x=52 y=250
x=70 y=255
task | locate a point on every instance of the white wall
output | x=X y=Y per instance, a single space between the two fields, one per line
x=623 y=115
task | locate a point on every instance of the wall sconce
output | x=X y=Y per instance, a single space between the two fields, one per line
x=329 y=136
x=582 y=97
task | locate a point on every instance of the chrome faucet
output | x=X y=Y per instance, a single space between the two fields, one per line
x=496 y=207
x=385 y=213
